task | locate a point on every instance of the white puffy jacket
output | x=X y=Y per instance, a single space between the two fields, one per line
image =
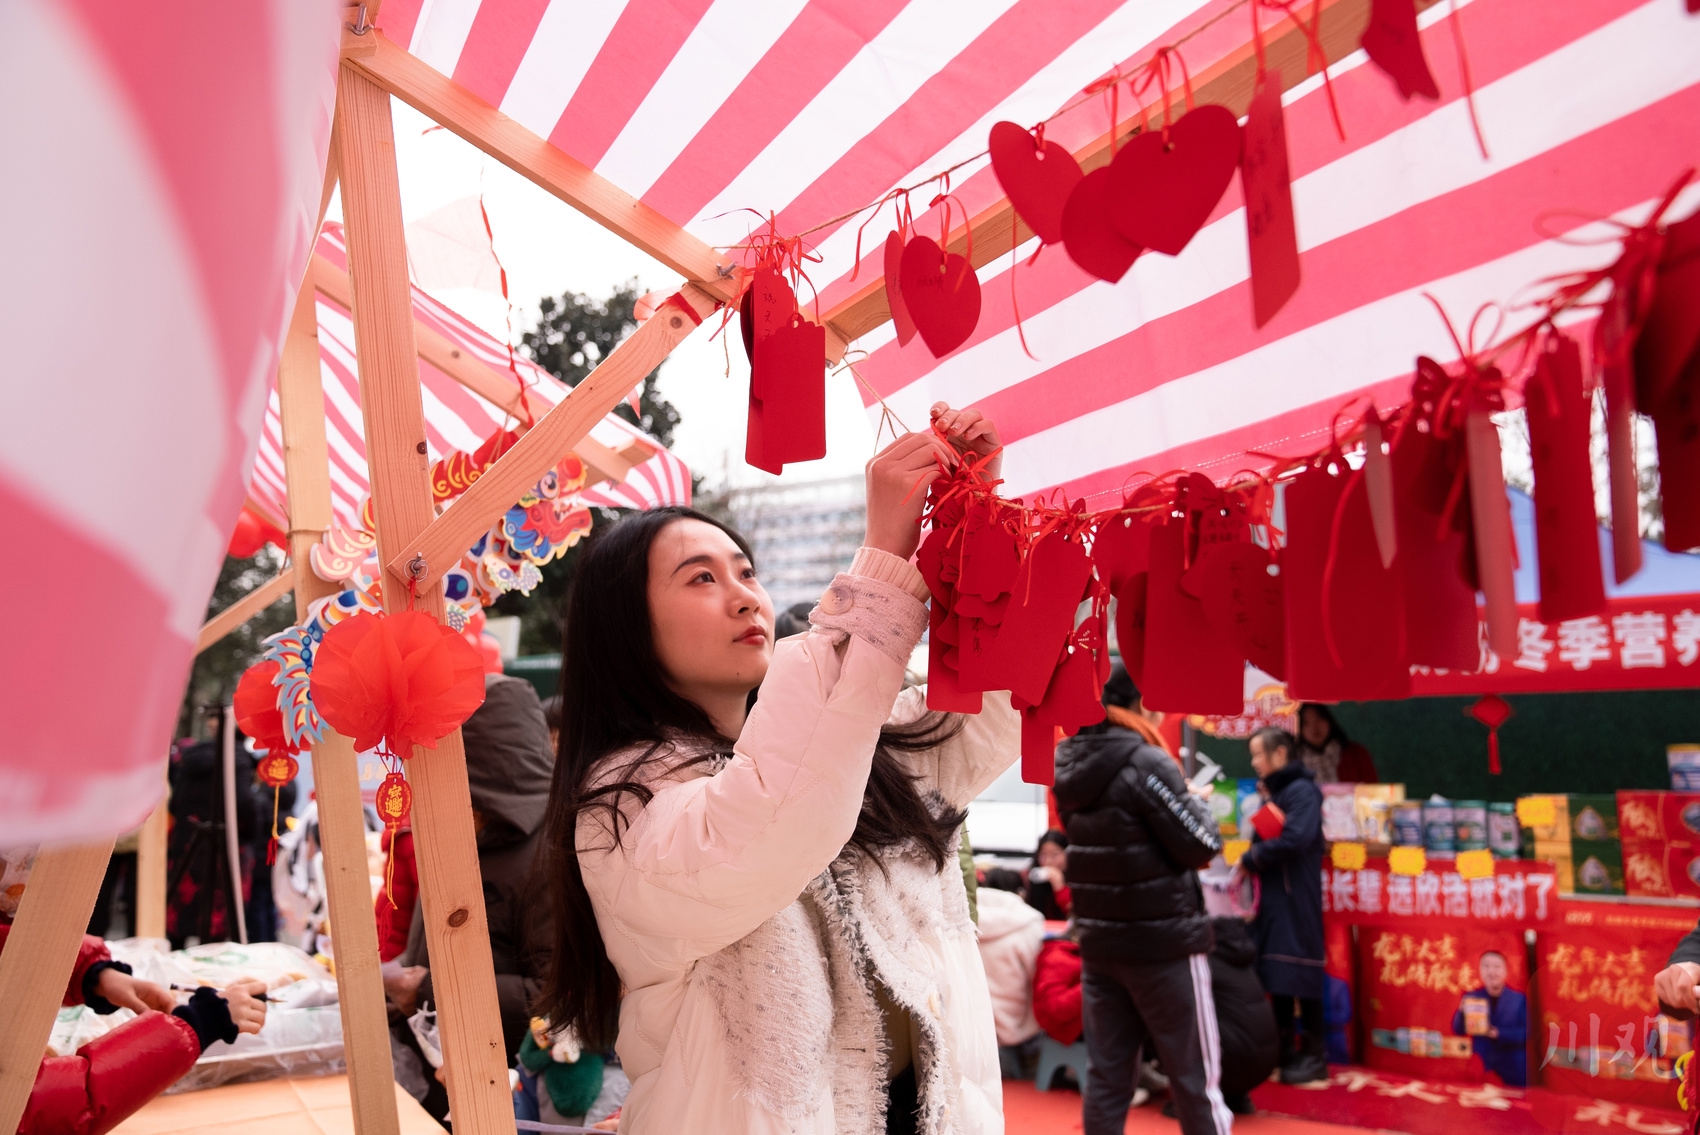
x=746 y=941
x=1011 y=933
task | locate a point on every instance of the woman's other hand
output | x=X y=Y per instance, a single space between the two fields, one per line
x=971 y=432
x=898 y=477
x=126 y=992
x=247 y=1012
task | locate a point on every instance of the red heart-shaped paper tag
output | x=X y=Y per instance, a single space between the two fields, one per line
x=1243 y=603
x=1088 y=237
x=1036 y=181
x=900 y=321
x=1392 y=44
x=942 y=294
x=1161 y=194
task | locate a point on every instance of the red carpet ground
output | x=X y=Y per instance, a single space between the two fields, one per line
x=1381 y=1101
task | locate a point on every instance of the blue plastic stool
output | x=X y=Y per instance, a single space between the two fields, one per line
x=1053 y=1056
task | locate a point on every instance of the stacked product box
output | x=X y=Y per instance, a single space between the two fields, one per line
x=1373 y=803
x=1661 y=843
x=1582 y=841
x=1359 y=812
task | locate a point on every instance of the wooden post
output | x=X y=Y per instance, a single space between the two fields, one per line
x=39 y=957
x=336 y=780
x=151 y=848
x=464 y=981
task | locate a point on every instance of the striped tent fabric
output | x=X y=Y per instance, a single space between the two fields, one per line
x=810 y=109
x=163 y=172
x=455 y=417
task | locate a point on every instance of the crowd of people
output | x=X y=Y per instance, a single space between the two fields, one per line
x=726 y=887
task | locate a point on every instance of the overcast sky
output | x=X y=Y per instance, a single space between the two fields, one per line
x=549 y=248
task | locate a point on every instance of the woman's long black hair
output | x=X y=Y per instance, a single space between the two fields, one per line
x=614 y=695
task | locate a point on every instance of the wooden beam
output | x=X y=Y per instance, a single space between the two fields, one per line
x=1228 y=81
x=441 y=545
x=245 y=608
x=445 y=101
x=451 y=889
x=148 y=920
x=39 y=957
x=336 y=779
x=495 y=387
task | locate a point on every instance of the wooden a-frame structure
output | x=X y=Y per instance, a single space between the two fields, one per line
x=417 y=545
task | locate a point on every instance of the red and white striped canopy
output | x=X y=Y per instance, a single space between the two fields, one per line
x=809 y=109
x=455 y=417
x=163 y=171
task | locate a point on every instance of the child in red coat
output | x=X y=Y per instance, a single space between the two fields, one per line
x=1056 y=989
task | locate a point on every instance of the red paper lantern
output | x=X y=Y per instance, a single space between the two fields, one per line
x=1492 y=711
x=402 y=680
x=257 y=713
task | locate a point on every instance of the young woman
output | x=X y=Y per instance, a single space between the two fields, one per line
x=1288 y=927
x=761 y=899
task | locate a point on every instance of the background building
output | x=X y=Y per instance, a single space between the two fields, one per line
x=802 y=534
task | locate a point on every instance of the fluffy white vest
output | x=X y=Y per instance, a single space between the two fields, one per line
x=796 y=995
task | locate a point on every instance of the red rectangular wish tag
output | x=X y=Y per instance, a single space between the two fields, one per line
x=1130 y=624
x=1366 y=659
x=791 y=363
x=1038 y=750
x=1121 y=548
x=1264 y=176
x=755 y=436
x=1439 y=603
x=1566 y=537
x=1618 y=381
x=987 y=553
x=1676 y=428
x=1490 y=513
x=1188 y=667
x=945 y=691
x=1670 y=333
x=1043 y=601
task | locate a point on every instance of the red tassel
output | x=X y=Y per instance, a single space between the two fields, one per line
x=1492 y=711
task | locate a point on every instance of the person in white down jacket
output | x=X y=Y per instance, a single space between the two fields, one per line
x=758 y=900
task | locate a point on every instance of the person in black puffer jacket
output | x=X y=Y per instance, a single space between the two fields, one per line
x=1136 y=837
x=1286 y=855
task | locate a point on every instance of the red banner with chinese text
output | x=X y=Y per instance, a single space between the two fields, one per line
x=1521 y=893
x=1638 y=644
x=1600 y=1032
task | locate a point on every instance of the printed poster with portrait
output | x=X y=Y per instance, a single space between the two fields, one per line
x=1451 y=1003
x=1600 y=1032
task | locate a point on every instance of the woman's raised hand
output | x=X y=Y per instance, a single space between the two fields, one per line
x=898 y=477
x=970 y=431
x=899 y=474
